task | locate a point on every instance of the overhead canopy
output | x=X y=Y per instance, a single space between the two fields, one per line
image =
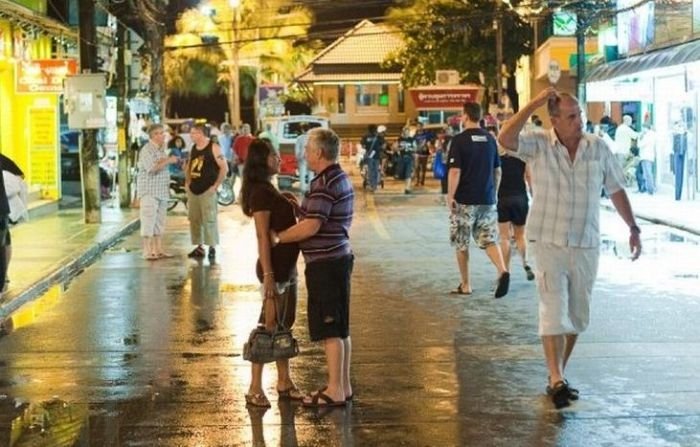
x=26 y=18
x=677 y=55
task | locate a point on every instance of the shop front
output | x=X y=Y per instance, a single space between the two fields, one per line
x=665 y=98
x=438 y=104
x=30 y=84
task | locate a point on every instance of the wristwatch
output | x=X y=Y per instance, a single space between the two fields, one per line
x=635 y=229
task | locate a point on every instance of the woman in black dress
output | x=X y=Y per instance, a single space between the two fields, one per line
x=276 y=267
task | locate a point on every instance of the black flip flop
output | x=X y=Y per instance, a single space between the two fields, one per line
x=319 y=396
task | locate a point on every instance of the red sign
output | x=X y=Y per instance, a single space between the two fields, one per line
x=444 y=97
x=44 y=76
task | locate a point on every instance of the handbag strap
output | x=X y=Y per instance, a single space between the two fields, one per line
x=280 y=322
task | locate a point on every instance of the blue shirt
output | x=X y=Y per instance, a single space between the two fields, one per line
x=475 y=153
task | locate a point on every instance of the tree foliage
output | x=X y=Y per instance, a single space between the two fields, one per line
x=263 y=33
x=458 y=35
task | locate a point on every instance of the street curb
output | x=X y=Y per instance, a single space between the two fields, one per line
x=64 y=270
x=658 y=221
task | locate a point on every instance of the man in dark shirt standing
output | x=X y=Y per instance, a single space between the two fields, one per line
x=323 y=236
x=473 y=179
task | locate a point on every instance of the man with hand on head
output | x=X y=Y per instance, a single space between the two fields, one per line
x=569 y=168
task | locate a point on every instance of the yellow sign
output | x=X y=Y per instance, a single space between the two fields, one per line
x=43 y=151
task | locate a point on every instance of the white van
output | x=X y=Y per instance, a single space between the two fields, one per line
x=287 y=129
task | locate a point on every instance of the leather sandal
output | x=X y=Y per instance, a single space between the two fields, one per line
x=291 y=393
x=257 y=400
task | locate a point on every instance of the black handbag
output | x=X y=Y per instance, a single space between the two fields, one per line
x=265 y=346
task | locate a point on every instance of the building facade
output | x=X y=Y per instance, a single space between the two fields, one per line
x=33 y=63
x=656 y=80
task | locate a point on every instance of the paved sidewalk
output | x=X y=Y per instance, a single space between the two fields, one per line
x=663 y=210
x=54 y=248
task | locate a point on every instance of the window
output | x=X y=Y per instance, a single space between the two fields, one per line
x=341 y=99
x=372 y=95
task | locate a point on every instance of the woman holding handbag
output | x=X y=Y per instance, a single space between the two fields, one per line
x=276 y=267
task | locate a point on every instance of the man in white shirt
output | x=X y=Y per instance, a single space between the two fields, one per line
x=647 y=157
x=624 y=135
x=569 y=168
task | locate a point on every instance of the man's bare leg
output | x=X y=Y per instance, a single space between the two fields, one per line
x=463 y=264
x=568 y=349
x=335 y=354
x=553 y=346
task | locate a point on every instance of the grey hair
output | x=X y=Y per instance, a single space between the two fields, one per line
x=153 y=128
x=327 y=141
x=554 y=102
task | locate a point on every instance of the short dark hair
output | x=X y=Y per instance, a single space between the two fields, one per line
x=473 y=111
x=202 y=128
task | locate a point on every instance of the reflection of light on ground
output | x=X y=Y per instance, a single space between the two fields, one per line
x=28 y=313
x=663 y=266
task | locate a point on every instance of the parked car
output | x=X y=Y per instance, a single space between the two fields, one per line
x=287 y=129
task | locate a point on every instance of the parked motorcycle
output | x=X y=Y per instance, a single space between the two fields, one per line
x=177 y=192
x=225 y=194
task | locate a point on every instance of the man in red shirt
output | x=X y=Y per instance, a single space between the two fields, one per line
x=240 y=147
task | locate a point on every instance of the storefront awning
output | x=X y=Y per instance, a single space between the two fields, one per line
x=29 y=19
x=677 y=55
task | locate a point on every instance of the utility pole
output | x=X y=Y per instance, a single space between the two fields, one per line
x=498 y=24
x=123 y=146
x=89 y=165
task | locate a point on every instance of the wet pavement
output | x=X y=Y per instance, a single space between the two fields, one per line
x=139 y=353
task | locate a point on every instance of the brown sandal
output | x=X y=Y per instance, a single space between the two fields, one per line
x=291 y=393
x=257 y=400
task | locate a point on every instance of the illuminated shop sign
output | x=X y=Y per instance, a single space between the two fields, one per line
x=44 y=76
x=444 y=98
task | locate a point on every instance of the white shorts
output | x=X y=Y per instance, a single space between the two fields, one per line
x=152 y=212
x=565 y=278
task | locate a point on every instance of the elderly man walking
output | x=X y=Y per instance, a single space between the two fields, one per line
x=153 y=180
x=569 y=169
x=323 y=236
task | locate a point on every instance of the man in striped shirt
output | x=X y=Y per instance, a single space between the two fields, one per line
x=569 y=168
x=323 y=233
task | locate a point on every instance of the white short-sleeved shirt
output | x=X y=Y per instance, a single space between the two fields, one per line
x=566 y=195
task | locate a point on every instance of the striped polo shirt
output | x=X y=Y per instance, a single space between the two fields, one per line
x=330 y=199
x=566 y=194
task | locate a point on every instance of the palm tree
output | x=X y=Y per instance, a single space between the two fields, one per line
x=190 y=70
x=257 y=33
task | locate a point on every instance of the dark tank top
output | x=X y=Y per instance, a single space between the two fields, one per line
x=203 y=169
x=512 y=177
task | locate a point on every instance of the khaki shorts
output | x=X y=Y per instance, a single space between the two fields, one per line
x=565 y=278
x=152 y=212
x=477 y=221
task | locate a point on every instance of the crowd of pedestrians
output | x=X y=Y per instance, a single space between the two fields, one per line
x=490 y=180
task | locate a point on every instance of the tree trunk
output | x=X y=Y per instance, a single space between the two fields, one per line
x=90 y=174
x=88 y=143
